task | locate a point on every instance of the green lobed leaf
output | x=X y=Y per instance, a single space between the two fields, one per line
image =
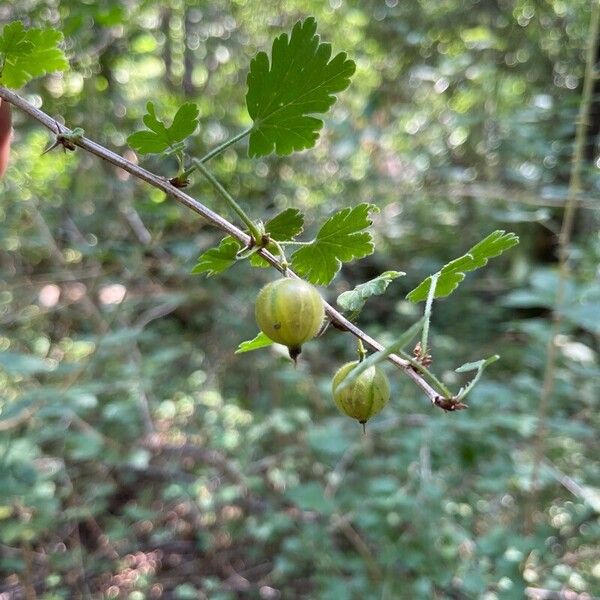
x=260 y=341
x=354 y=300
x=300 y=81
x=29 y=53
x=219 y=259
x=283 y=227
x=454 y=272
x=286 y=225
x=158 y=137
x=13 y=41
x=341 y=239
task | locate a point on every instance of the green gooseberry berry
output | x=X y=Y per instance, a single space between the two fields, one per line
x=365 y=396
x=290 y=312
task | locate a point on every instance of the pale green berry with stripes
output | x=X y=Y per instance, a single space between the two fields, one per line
x=363 y=397
x=290 y=312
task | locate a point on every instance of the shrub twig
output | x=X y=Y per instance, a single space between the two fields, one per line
x=221 y=223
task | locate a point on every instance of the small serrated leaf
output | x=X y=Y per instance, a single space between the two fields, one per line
x=146 y=142
x=478 y=366
x=454 y=272
x=283 y=227
x=341 y=239
x=219 y=259
x=158 y=137
x=354 y=300
x=260 y=341
x=184 y=123
x=301 y=80
x=286 y=225
x=472 y=366
x=29 y=53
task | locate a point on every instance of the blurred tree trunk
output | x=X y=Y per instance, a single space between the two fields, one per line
x=167 y=53
x=188 y=57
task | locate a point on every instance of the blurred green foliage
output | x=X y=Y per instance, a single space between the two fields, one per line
x=140 y=457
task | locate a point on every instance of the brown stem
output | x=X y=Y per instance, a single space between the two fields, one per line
x=214 y=219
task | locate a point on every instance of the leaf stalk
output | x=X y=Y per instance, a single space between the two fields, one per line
x=239 y=211
x=222 y=147
x=427 y=314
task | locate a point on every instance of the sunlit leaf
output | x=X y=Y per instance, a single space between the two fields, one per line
x=284 y=226
x=158 y=137
x=219 y=259
x=454 y=272
x=300 y=81
x=341 y=239
x=29 y=53
x=260 y=341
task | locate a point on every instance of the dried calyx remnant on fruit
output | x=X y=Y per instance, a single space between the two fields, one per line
x=365 y=396
x=290 y=312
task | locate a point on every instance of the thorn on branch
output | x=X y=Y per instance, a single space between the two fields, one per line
x=66 y=140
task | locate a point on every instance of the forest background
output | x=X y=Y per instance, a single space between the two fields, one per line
x=141 y=457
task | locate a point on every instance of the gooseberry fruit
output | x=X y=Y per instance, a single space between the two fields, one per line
x=363 y=397
x=290 y=312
